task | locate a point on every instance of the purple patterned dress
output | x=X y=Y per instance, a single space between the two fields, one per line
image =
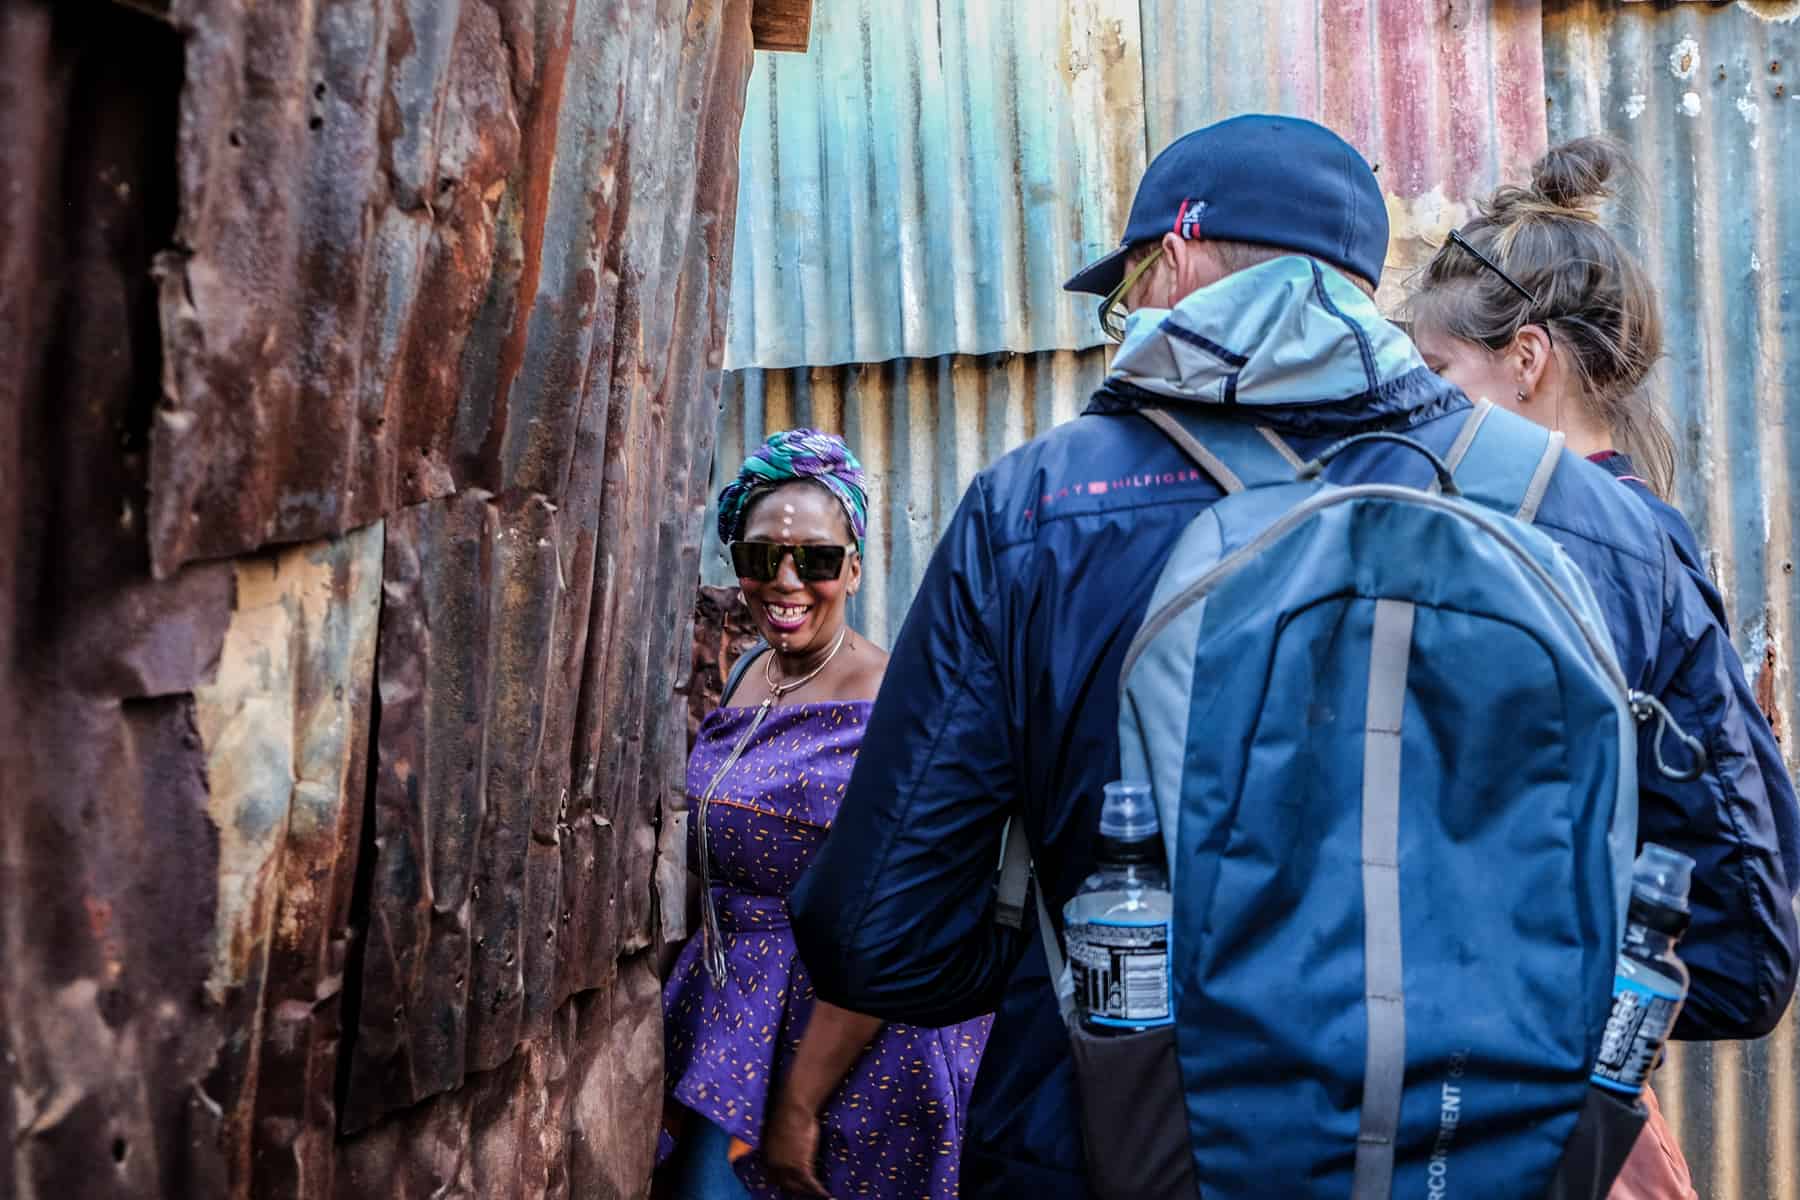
x=894 y=1127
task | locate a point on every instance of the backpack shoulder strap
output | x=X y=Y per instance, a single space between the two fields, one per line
x=1009 y=909
x=739 y=669
x=1503 y=461
x=1234 y=454
x=1015 y=876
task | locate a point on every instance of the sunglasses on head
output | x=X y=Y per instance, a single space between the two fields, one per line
x=761 y=561
x=1463 y=243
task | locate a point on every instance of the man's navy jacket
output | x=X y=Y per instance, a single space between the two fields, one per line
x=1002 y=697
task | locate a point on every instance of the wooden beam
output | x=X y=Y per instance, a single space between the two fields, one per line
x=781 y=24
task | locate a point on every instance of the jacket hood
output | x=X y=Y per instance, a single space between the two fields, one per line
x=1299 y=346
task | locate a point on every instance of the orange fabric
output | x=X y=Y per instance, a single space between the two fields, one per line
x=738 y=1149
x=1655 y=1169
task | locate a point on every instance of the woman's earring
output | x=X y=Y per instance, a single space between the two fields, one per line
x=1521 y=401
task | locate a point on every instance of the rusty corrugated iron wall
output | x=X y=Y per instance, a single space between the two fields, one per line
x=1705 y=98
x=357 y=380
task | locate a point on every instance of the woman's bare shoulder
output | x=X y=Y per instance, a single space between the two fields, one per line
x=866 y=668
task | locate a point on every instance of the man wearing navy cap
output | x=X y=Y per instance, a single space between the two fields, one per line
x=1242 y=286
x=1241 y=192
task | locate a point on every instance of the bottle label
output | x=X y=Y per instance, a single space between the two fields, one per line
x=1121 y=972
x=1642 y=1018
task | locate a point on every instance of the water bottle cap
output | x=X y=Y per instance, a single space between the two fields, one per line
x=1128 y=814
x=1661 y=876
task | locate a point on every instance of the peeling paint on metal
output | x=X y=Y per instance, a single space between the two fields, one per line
x=1684 y=59
x=285 y=725
x=922 y=185
x=1772 y=10
x=1718 y=210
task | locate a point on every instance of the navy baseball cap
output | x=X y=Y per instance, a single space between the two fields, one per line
x=1274 y=181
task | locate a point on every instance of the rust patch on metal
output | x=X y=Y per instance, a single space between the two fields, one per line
x=781 y=24
x=1768 y=682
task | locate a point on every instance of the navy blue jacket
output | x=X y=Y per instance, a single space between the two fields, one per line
x=1002 y=697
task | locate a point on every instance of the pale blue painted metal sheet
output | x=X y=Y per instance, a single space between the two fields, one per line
x=1705 y=97
x=922 y=181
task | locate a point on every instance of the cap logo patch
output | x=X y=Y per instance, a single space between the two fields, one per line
x=1187 y=218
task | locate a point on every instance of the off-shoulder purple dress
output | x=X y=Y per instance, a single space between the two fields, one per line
x=894 y=1127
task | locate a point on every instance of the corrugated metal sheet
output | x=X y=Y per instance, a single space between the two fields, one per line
x=108 y=862
x=922 y=181
x=369 y=829
x=1706 y=98
x=1443 y=98
x=285 y=726
x=919 y=187
x=403 y=247
x=922 y=427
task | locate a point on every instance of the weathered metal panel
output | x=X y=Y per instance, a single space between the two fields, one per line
x=528 y=746
x=1444 y=98
x=285 y=725
x=405 y=229
x=922 y=427
x=921 y=183
x=108 y=862
x=564 y=1119
x=440 y=298
x=1704 y=96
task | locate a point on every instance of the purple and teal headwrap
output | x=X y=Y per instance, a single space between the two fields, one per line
x=797 y=454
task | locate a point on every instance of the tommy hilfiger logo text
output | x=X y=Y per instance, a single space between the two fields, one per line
x=1102 y=487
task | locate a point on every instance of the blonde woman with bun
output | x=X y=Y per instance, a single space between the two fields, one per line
x=1537 y=306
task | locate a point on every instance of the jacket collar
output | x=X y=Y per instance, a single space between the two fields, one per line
x=1292 y=344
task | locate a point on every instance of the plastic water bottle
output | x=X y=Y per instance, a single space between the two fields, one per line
x=1651 y=983
x=1117 y=925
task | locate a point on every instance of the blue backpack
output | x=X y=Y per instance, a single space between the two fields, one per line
x=1394 y=761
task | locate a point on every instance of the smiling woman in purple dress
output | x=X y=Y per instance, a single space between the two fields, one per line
x=771 y=1092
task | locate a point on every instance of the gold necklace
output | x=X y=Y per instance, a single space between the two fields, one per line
x=711 y=937
x=778 y=690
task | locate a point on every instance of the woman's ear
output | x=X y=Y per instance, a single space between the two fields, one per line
x=1531 y=351
x=855 y=572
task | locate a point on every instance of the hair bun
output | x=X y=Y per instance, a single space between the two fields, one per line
x=1578 y=174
